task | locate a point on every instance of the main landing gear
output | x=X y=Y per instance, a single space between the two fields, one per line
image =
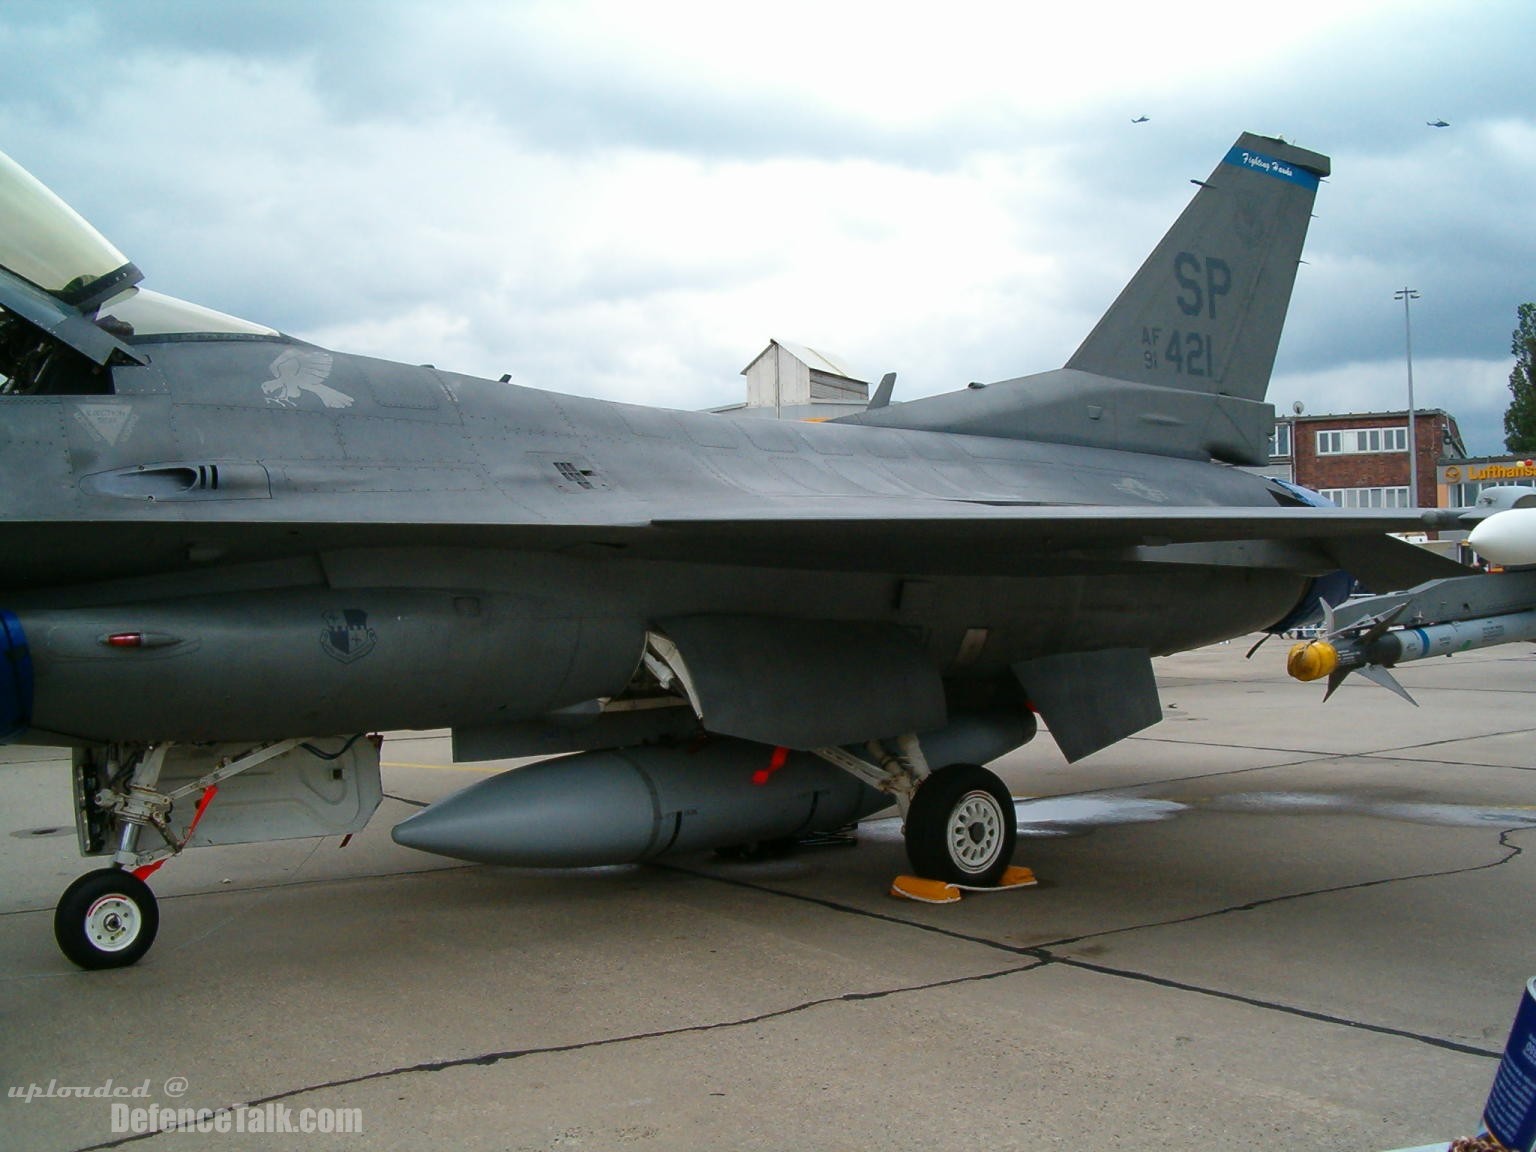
x=960 y=821
x=961 y=827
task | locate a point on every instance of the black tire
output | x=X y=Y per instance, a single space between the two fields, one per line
x=106 y=919
x=961 y=827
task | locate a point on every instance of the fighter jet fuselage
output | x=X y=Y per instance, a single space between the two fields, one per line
x=228 y=554
x=385 y=546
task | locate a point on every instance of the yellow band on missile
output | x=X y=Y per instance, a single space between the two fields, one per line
x=1311 y=659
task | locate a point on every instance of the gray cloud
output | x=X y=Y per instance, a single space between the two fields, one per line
x=632 y=206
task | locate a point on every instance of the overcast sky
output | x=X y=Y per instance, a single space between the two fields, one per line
x=630 y=199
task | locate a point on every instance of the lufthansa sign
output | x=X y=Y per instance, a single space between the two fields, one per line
x=1511 y=470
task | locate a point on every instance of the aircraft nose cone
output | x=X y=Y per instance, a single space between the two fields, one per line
x=557 y=813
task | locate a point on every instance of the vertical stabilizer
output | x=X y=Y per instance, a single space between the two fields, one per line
x=1180 y=363
x=1204 y=313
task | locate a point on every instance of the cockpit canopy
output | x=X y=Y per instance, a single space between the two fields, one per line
x=142 y=313
x=47 y=243
x=70 y=304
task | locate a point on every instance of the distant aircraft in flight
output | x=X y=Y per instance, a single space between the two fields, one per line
x=1141 y=120
x=1438 y=123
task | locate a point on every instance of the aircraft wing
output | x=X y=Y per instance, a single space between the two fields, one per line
x=905 y=535
x=1017 y=539
x=1036 y=522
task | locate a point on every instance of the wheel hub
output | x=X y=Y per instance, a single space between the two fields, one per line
x=976 y=831
x=112 y=923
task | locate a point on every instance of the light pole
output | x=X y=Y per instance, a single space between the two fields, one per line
x=1405 y=295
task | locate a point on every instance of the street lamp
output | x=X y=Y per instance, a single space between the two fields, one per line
x=1405 y=295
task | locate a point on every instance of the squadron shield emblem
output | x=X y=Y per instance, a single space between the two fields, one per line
x=347 y=636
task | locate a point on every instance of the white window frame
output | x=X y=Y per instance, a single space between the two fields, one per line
x=1361 y=441
x=1280 y=440
x=1392 y=496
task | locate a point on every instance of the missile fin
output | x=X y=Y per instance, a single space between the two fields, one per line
x=1380 y=624
x=1335 y=678
x=1379 y=675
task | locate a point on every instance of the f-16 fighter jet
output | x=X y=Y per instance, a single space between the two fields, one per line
x=227 y=555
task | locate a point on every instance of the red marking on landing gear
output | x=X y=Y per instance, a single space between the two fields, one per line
x=145 y=871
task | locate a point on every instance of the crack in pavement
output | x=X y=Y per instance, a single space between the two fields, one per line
x=1047 y=956
x=1511 y=851
x=1274 y=1006
x=1038 y=957
x=1322 y=754
x=488 y=1059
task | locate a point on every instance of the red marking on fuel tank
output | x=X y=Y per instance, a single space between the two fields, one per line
x=775 y=762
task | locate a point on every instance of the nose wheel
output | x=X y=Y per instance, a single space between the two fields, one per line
x=106 y=919
x=961 y=827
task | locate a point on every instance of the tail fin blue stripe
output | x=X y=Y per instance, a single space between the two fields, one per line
x=1271 y=166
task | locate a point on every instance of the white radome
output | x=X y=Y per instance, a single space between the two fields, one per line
x=1507 y=538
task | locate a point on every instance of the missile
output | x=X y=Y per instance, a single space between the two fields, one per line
x=1373 y=648
x=622 y=805
x=1440 y=617
x=1507 y=538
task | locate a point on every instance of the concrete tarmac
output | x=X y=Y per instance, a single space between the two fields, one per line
x=1264 y=922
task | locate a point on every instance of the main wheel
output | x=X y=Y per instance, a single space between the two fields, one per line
x=106 y=919
x=961 y=827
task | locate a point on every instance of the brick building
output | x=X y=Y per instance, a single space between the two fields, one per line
x=1360 y=459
